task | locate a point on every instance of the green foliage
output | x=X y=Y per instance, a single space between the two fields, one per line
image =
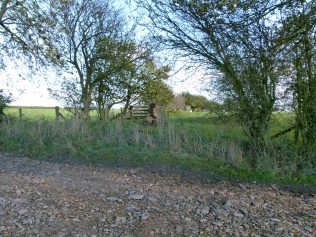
x=157 y=92
x=298 y=36
x=22 y=31
x=234 y=42
x=4 y=101
x=76 y=31
x=198 y=102
x=127 y=73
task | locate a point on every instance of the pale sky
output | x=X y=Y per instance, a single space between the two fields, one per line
x=27 y=90
x=31 y=90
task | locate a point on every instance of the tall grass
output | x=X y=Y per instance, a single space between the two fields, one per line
x=196 y=143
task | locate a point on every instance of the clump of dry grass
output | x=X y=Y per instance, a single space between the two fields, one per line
x=172 y=142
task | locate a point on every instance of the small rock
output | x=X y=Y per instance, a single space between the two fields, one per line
x=227 y=203
x=179 y=229
x=139 y=190
x=275 y=220
x=219 y=224
x=242 y=186
x=205 y=210
x=308 y=202
x=194 y=229
x=20 y=200
x=60 y=234
x=221 y=213
x=238 y=215
x=131 y=209
x=144 y=216
x=120 y=219
x=114 y=199
x=2 y=201
x=150 y=199
x=136 y=197
x=22 y=211
x=279 y=229
x=243 y=210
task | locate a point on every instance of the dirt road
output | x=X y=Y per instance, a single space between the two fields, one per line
x=40 y=198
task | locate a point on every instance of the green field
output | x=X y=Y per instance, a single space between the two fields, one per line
x=35 y=112
x=195 y=141
x=47 y=113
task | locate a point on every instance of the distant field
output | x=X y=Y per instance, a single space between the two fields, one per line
x=198 y=123
x=35 y=112
x=32 y=112
x=204 y=124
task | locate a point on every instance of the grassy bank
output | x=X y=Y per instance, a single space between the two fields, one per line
x=194 y=141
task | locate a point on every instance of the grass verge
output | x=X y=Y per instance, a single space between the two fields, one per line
x=192 y=143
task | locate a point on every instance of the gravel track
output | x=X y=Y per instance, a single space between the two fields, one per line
x=41 y=198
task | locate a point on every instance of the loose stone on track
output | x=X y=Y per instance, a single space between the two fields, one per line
x=39 y=198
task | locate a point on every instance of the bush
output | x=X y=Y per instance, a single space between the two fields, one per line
x=4 y=101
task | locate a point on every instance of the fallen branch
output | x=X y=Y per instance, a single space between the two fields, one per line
x=283 y=132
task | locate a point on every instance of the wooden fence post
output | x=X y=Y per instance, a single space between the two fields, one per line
x=131 y=112
x=20 y=113
x=57 y=112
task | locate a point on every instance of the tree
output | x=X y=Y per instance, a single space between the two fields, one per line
x=69 y=95
x=118 y=72
x=157 y=92
x=140 y=71
x=4 y=101
x=197 y=102
x=20 y=28
x=298 y=42
x=126 y=69
x=73 y=32
x=236 y=38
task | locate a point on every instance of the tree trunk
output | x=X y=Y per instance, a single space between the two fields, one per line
x=2 y=115
x=86 y=101
x=127 y=102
